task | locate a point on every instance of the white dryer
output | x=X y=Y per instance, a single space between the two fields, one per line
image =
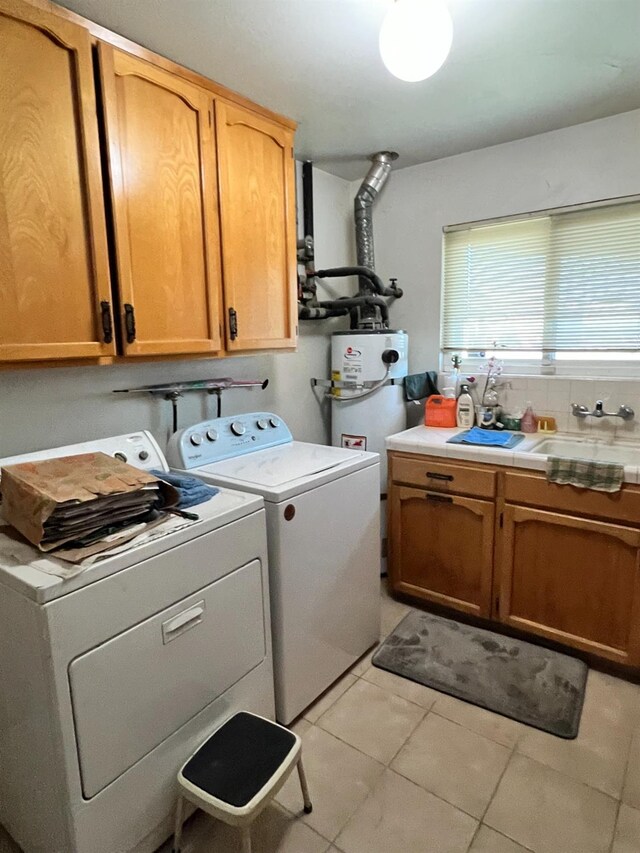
x=111 y=678
x=323 y=531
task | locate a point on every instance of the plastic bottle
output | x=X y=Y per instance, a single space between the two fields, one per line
x=465 y=409
x=528 y=420
x=452 y=376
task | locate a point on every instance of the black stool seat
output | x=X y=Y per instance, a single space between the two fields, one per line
x=238 y=760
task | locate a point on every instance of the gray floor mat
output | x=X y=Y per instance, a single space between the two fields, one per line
x=533 y=685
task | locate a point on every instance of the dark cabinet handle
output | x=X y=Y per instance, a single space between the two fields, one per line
x=107 y=325
x=233 y=324
x=433 y=476
x=443 y=499
x=130 y=323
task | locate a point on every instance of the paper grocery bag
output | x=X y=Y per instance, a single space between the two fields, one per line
x=34 y=493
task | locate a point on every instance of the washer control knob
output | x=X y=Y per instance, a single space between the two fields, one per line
x=238 y=428
x=262 y=424
x=196 y=439
x=212 y=435
x=120 y=456
x=143 y=455
x=274 y=422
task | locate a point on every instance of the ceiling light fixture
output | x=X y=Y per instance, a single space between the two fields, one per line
x=415 y=38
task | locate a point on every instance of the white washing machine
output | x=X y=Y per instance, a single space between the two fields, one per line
x=323 y=531
x=111 y=678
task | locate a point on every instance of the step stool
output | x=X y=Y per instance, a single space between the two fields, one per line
x=237 y=772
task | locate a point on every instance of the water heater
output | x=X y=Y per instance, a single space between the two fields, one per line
x=362 y=416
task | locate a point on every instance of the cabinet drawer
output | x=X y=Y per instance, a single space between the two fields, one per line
x=444 y=477
x=536 y=490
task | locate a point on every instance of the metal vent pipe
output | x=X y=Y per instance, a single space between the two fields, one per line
x=373 y=182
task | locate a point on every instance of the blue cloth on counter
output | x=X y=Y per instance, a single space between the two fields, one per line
x=192 y=491
x=487 y=438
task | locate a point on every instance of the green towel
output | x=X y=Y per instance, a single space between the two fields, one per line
x=585 y=473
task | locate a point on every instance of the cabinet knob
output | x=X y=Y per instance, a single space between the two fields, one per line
x=434 y=476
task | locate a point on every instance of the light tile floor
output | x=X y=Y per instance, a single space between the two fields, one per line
x=394 y=767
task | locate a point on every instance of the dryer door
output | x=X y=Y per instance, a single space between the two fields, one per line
x=133 y=691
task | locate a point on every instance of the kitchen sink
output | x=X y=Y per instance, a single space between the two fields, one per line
x=594 y=449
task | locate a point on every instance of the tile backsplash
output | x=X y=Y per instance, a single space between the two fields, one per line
x=550 y=395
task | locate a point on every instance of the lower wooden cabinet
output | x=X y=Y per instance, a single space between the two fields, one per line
x=573 y=580
x=550 y=571
x=442 y=548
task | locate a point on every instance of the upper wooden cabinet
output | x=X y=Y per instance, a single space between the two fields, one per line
x=194 y=174
x=55 y=298
x=257 y=202
x=162 y=165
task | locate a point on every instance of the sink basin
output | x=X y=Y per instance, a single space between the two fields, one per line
x=575 y=448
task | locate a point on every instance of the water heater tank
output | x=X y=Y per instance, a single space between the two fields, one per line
x=363 y=423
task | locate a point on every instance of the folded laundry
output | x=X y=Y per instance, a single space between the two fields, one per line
x=191 y=490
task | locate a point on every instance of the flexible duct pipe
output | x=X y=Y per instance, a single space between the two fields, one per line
x=363 y=202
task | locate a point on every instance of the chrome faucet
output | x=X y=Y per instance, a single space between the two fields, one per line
x=580 y=411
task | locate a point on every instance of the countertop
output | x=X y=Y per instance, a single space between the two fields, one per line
x=431 y=441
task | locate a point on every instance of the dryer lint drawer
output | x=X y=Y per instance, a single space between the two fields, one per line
x=133 y=691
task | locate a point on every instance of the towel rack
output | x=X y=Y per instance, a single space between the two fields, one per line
x=173 y=391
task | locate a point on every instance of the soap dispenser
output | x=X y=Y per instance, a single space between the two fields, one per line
x=528 y=421
x=464 y=409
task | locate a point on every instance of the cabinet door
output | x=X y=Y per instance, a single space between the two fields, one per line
x=163 y=184
x=257 y=202
x=442 y=548
x=572 y=580
x=54 y=271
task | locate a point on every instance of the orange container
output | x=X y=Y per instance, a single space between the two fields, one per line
x=440 y=411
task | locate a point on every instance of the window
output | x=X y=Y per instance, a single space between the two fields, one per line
x=563 y=285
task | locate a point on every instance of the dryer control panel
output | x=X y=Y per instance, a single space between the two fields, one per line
x=137 y=448
x=224 y=438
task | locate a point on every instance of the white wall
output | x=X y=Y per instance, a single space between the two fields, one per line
x=54 y=406
x=305 y=410
x=600 y=159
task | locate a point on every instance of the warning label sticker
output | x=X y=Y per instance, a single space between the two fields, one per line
x=354 y=442
x=336 y=376
x=352 y=361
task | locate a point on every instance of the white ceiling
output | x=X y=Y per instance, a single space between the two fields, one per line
x=517 y=68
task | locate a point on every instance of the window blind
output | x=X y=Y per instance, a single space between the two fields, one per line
x=563 y=281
